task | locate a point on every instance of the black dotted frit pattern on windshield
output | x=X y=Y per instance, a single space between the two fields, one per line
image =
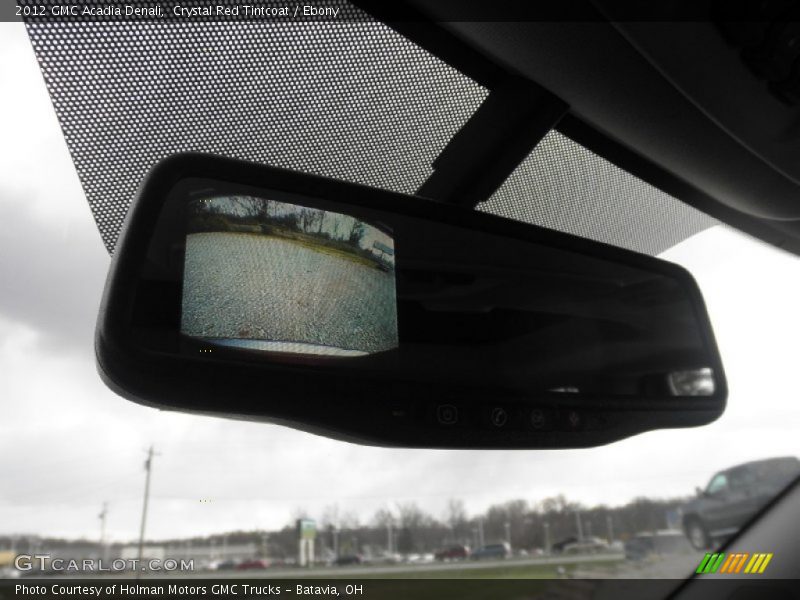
x=562 y=185
x=350 y=100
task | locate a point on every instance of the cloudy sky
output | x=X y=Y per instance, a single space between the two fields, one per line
x=67 y=444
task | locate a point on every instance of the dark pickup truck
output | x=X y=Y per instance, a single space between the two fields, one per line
x=733 y=496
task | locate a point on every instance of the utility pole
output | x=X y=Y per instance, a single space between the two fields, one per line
x=507 y=526
x=546 y=537
x=102 y=517
x=389 y=537
x=336 y=542
x=148 y=464
x=480 y=532
x=579 y=525
x=610 y=527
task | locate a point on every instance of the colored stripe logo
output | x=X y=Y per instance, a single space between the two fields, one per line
x=737 y=562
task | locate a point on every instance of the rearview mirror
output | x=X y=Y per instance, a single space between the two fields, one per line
x=258 y=293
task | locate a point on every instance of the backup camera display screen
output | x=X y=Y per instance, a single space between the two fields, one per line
x=265 y=275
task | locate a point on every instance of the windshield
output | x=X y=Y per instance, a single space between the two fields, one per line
x=240 y=495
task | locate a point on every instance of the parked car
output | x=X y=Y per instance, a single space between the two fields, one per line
x=558 y=547
x=452 y=553
x=665 y=541
x=492 y=551
x=348 y=559
x=587 y=545
x=9 y=573
x=256 y=563
x=733 y=496
x=203 y=564
x=419 y=559
x=384 y=558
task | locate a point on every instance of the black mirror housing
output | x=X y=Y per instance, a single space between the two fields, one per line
x=258 y=293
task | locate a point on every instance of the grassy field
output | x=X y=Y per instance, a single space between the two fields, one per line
x=319 y=244
x=509 y=572
x=524 y=570
x=314 y=245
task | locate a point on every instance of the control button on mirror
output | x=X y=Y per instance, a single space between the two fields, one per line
x=446 y=414
x=540 y=419
x=573 y=419
x=498 y=417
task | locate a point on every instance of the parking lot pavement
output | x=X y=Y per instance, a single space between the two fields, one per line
x=669 y=566
x=261 y=287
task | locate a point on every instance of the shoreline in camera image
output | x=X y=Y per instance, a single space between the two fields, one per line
x=266 y=275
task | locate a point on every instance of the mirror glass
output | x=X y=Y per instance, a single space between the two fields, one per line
x=261 y=274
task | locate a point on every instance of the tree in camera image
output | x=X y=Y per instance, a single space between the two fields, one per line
x=259 y=269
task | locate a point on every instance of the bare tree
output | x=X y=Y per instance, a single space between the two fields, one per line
x=383 y=517
x=259 y=209
x=331 y=516
x=307 y=219
x=357 y=231
x=455 y=513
